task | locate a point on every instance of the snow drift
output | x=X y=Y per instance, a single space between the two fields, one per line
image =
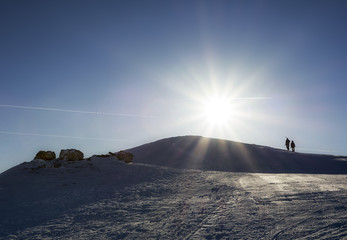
x=195 y=152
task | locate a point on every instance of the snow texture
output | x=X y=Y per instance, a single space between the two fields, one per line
x=103 y=198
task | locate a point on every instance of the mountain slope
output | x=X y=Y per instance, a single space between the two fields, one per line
x=195 y=152
x=103 y=198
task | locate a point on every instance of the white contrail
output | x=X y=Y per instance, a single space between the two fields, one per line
x=251 y=98
x=77 y=111
x=60 y=136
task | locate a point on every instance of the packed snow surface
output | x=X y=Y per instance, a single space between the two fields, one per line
x=103 y=198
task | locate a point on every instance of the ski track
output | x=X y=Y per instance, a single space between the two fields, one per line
x=183 y=204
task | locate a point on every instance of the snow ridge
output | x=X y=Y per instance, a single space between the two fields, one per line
x=195 y=152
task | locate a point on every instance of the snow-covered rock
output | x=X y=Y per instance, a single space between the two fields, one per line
x=71 y=154
x=45 y=155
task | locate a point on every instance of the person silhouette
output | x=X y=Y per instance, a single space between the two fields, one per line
x=292 y=145
x=287 y=143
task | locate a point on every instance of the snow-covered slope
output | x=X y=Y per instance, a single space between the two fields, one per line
x=30 y=196
x=107 y=199
x=103 y=198
x=195 y=152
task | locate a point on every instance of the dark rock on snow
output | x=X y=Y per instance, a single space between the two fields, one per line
x=124 y=156
x=45 y=155
x=71 y=154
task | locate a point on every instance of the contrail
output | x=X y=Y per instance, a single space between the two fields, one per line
x=77 y=111
x=59 y=136
x=252 y=98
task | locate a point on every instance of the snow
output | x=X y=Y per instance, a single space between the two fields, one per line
x=103 y=198
x=195 y=152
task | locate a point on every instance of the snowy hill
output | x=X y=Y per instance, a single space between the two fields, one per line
x=103 y=198
x=195 y=152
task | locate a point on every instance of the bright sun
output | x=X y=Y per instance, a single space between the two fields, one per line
x=217 y=111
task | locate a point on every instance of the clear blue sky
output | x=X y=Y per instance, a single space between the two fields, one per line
x=138 y=71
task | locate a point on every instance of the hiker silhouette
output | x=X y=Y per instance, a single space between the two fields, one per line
x=287 y=143
x=292 y=145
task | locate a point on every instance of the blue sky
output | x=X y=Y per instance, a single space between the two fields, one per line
x=103 y=76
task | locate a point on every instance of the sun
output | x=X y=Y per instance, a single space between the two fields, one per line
x=217 y=110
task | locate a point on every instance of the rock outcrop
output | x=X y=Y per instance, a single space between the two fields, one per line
x=124 y=156
x=45 y=155
x=71 y=155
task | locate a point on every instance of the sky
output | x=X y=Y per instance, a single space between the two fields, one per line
x=104 y=76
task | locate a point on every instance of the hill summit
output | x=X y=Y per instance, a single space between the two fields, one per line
x=196 y=152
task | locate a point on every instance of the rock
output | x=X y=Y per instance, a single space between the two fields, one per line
x=71 y=155
x=125 y=156
x=112 y=154
x=45 y=155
